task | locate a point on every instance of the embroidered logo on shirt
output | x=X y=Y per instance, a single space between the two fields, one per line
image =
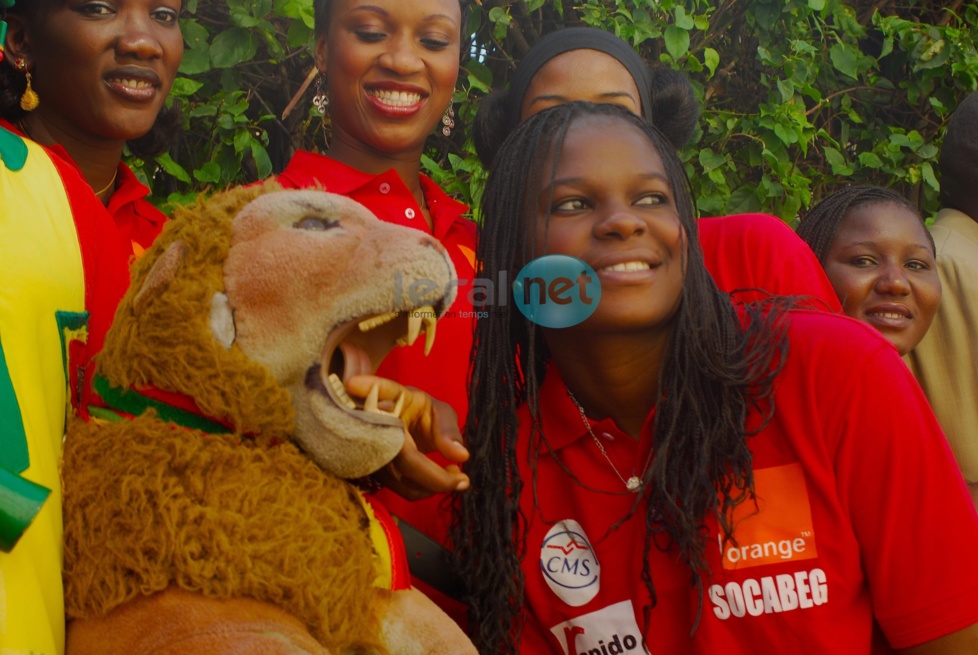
x=609 y=631
x=568 y=563
x=779 y=528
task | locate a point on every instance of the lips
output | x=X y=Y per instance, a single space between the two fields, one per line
x=889 y=315
x=133 y=83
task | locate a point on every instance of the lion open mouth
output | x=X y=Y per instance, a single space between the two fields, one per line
x=358 y=346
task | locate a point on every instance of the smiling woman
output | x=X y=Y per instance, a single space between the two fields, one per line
x=880 y=260
x=79 y=79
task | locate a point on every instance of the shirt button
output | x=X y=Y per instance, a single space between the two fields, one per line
x=385 y=188
x=608 y=436
x=409 y=212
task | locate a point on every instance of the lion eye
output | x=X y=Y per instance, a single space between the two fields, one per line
x=316 y=223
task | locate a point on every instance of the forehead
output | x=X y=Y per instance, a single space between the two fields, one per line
x=607 y=144
x=450 y=9
x=879 y=220
x=582 y=75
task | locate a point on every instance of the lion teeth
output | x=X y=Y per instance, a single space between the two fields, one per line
x=370 y=404
x=430 y=323
x=368 y=324
x=418 y=319
x=398 y=405
x=340 y=390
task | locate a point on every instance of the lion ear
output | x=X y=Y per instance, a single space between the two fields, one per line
x=222 y=320
x=164 y=269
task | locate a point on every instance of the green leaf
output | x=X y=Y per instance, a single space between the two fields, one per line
x=683 y=21
x=786 y=134
x=837 y=162
x=232 y=47
x=677 y=41
x=262 y=161
x=195 y=62
x=845 y=58
x=927 y=173
x=711 y=60
x=787 y=89
x=816 y=5
x=184 y=86
x=870 y=160
x=242 y=140
x=172 y=168
x=209 y=172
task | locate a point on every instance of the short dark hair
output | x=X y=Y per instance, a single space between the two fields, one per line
x=958 y=163
x=820 y=224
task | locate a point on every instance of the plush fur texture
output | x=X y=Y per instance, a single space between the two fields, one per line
x=241 y=306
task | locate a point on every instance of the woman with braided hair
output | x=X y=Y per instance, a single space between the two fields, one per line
x=880 y=260
x=674 y=473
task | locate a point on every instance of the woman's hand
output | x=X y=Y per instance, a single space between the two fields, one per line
x=430 y=425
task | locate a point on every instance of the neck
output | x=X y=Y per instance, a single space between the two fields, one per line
x=614 y=377
x=98 y=159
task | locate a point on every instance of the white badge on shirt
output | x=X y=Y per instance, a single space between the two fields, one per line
x=611 y=630
x=569 y=564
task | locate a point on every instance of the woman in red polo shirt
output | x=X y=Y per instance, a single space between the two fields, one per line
x=657 y=469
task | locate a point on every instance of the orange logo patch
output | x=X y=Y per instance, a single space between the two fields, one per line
x=779 y=528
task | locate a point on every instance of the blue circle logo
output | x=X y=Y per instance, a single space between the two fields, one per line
x=557 y=291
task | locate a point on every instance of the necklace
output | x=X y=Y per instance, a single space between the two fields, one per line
x=633 y=483
x=109 y=185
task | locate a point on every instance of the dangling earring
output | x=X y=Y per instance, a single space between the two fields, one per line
x=320 y=100
x=448 y=121
x=29 y=100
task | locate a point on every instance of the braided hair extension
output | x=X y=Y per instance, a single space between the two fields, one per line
x=715 y=372
x=821 y=223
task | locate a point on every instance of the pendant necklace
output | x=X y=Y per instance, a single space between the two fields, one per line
x=633 y=483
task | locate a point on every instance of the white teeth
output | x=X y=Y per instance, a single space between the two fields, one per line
x=370 y=323
x=628 y=266
x=888 y=315
x=135 y=84
x=397 y=98
x=340 y=390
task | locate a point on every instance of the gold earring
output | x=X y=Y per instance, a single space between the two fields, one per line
x=29 y=100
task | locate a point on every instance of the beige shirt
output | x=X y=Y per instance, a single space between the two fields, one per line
x=945 y=362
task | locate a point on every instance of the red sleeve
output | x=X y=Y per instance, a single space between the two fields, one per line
x=105 y=261
x=759 y=255
x=916 y=526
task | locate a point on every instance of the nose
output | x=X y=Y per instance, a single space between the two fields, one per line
x=401 y=56
x=137 y=38
x=619 y=223
x=893 y=281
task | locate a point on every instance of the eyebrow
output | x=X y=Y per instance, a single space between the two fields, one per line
x=875 y=244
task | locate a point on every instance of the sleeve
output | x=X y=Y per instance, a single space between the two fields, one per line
x=760 y=251
x=910 y=509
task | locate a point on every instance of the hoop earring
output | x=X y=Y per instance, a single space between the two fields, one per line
x=28 y=100
x=448 y=121
x=320 y=100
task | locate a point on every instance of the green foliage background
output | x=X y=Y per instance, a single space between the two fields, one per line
x=798 y=96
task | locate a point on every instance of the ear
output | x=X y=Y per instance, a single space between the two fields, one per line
x=164 y=269
x=18 y=42
x=322 y=52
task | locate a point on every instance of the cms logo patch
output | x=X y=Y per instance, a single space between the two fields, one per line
x=568 y=563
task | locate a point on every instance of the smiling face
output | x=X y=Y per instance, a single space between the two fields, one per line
x=102 y=68
x=882 y=267
x=613 y=207
x=391 y=68
x=581 y=75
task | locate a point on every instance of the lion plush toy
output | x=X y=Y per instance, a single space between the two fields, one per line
x=207 y=508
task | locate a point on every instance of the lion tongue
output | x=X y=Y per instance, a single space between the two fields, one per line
x=356 y=361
